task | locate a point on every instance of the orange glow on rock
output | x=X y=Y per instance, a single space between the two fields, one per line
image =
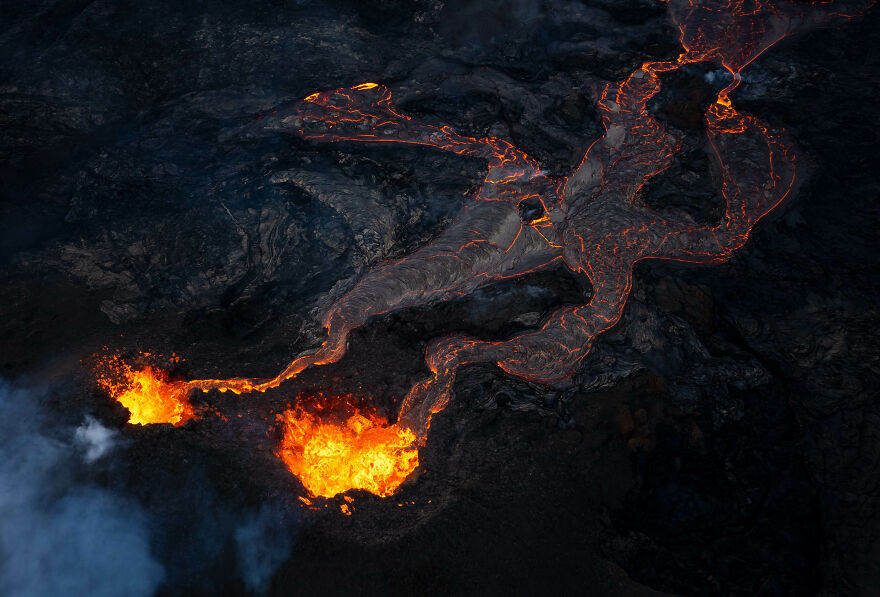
x=147 y=393
x=595 y=221
x=364 y=452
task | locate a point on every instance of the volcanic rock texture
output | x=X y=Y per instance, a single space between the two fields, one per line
x=723 y=438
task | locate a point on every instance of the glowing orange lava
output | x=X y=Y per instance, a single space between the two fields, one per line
x=595 y=222
x=364 y=452
x=147 y=393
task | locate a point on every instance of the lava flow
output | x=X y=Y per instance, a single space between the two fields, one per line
x=363 y=452
x=595 y=222
x=147 y=393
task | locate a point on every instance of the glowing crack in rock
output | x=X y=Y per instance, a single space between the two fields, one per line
x=521 y=220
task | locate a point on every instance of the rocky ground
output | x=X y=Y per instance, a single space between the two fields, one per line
x=723 y=438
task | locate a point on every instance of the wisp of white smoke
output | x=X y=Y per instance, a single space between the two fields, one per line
x=59 y=535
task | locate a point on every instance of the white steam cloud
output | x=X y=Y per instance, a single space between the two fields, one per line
x=263 y=542
x=58 y=535
x=95 y=439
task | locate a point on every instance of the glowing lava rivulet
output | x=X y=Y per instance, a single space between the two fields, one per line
x=594 y=221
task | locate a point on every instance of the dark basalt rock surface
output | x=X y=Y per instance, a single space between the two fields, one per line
x=723 y=438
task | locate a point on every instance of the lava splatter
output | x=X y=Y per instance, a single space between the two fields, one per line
x=146 y=392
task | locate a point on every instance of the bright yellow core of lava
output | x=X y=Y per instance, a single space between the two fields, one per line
x=362 y=453
x=148 y=395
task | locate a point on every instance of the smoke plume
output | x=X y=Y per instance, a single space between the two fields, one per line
x=60 y=535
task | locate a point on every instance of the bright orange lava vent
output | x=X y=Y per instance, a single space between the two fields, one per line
x=363 y=452
x=147 y=393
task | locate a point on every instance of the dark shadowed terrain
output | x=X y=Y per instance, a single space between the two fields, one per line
x=722 y=439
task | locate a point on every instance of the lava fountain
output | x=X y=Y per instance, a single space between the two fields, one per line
x=147 y=393
x=362 y=452
x=340 y=447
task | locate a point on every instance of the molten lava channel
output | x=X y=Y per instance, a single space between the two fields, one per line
x=363 y=452
x=329 y=454
x=595 y=221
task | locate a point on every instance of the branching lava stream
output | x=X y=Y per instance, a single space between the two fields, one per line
x=595 y=222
